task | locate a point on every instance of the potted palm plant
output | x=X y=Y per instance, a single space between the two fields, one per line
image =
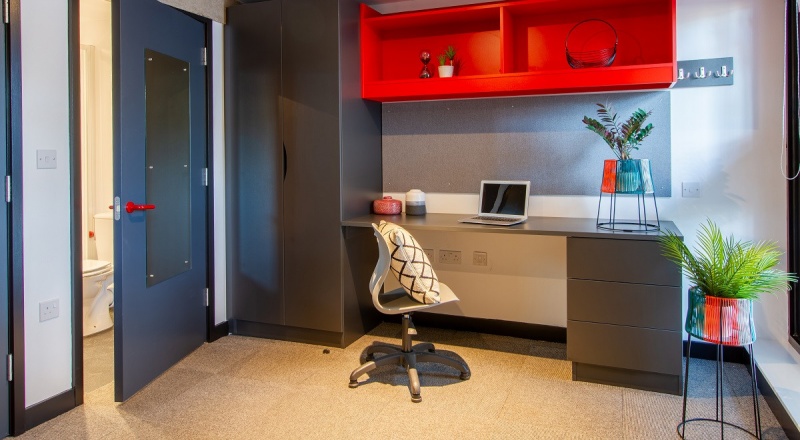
x=726 y=276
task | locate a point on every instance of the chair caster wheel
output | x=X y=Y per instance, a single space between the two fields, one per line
x=416 y=398
x=465 y=376
x=353 y=384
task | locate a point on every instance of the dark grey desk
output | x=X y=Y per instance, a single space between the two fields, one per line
x=623 y=297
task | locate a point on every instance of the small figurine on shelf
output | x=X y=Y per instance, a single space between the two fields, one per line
x=447 y=62
x=425 y=57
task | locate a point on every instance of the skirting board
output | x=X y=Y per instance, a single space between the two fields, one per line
x=218 y=331
x=493 y=326
x=640 y=380
x=46 y=410
x=286 y=333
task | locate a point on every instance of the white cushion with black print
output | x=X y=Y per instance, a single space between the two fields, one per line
x=410 y=265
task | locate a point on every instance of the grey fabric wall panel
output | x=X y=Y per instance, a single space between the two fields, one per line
x=450 y=146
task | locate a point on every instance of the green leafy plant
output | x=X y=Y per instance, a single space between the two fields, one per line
x=726 y=267
x=621 y=137
x=448 y=56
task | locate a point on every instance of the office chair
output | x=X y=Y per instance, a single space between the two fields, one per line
x=397 y=302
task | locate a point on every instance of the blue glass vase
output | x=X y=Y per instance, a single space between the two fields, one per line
x=634 y=177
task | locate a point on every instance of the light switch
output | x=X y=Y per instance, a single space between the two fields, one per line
x=45 y=159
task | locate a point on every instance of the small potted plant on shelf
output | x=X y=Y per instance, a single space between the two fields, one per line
x=726 y=276
x=447 y=62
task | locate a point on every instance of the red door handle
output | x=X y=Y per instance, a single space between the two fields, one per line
x=130 y=207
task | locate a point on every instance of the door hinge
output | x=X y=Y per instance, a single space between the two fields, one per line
x=205 y=176
x=10 y=367
x=8 y=189
x=6 y=12
x=204 y=57
x=206 y=296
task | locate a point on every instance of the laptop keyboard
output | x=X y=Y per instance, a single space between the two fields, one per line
x=490 y=218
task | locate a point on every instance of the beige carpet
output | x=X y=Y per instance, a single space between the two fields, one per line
x=98 y=360
x=249 y=388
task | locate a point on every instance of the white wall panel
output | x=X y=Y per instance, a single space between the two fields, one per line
x=46 y=198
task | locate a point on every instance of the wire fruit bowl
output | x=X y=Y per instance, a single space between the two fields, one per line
x=593 y=32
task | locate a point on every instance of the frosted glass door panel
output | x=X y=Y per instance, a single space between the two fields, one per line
x=167 y=161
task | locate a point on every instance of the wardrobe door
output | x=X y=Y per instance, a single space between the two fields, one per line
x=312 y=230
x=254 y=162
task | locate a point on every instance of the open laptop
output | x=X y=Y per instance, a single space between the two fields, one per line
x=502 y=203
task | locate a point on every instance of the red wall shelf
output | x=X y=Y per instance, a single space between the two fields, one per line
x=514 y=48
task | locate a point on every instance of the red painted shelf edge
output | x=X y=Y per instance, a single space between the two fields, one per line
x=651 y=76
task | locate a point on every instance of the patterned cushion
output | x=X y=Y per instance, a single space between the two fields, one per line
x=410 y=265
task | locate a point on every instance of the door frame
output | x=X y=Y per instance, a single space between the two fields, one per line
x=16 y=390
x=20 y=417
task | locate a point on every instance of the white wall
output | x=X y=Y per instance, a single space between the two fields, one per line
x=220 y=272
x=46 y=198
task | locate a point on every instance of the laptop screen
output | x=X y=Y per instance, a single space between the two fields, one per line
x=507 y=198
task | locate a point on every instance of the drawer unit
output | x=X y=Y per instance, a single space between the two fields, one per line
x=619 y=346
x=624 y=304
x=627 y=261
x=624 y=314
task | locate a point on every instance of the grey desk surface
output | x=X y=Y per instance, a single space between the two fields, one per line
x=559 y=226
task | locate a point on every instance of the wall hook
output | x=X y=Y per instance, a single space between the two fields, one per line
x=724 y=73
x=680 y=74
x=701 y=74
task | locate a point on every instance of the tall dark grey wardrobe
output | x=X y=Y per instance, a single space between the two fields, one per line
x=303 y=151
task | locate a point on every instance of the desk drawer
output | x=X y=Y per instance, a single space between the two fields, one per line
x=627 y=261
x=658 y=351
x=637 y=305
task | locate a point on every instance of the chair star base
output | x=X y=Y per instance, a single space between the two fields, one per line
x=406 y=355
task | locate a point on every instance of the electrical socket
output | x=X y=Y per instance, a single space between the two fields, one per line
x=430 y=254
x=48 y=310
x=450 y=257
x=692 y=189
x=480 y=258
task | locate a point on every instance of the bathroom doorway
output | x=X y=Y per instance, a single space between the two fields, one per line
x=97 y=230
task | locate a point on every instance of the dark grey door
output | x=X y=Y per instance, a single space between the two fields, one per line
x=160 y=197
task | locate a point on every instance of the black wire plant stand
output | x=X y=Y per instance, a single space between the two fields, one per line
x=627 y=178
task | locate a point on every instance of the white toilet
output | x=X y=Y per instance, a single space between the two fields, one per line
x=98 y=278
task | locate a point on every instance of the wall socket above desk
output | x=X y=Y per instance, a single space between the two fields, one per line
x=449 y=257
